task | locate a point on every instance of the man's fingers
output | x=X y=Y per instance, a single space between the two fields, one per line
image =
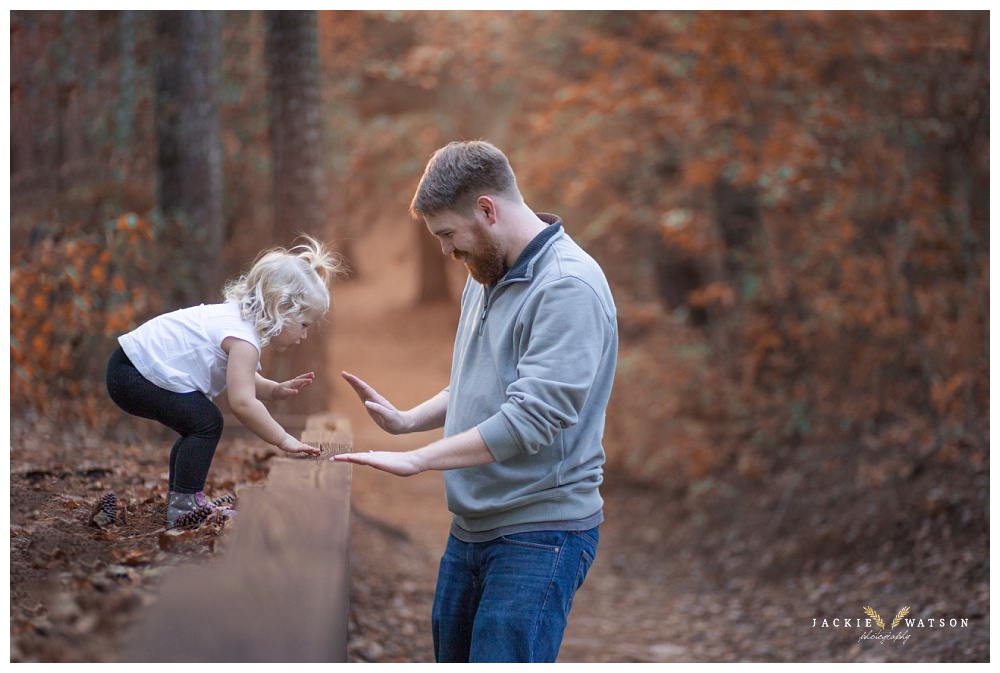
x=364 y=391
x=352 y=379
x=357 y=383
x=350 y=458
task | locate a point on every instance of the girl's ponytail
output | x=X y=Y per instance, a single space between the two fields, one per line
x=327 y=265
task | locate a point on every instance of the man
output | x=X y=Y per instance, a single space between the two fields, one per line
x=523 y=415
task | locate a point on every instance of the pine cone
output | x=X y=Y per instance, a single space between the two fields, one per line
x=109 y=505
x=105 y=511
x=194 y=518
x=224 y=500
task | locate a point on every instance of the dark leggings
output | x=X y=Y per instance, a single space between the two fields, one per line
x=192 y=415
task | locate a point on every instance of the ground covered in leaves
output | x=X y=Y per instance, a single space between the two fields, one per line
x=726 y=573
x=78 y=578
x=723 y=576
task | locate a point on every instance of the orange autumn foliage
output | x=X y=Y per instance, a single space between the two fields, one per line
x=69 y=298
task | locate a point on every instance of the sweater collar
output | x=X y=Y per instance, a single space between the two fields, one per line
x=524 y=261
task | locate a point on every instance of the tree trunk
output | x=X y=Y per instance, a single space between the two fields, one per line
x=125 y=106
x=168 y=100
x=433 y=273
x=299 y=181
x=190 y=159
x=21 y=150
x=296 y=123
x=201 y=148
x=68 y=141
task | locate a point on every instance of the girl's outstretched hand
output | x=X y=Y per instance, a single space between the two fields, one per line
x=388 y=417
x=287 y=389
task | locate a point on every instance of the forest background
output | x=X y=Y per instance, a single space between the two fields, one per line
x=792 y=209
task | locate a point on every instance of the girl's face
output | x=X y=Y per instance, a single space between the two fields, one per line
x=294 y=331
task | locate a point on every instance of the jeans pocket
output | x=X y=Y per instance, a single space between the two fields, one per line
x=591 y=536
x=586 y=560
x=551 y=540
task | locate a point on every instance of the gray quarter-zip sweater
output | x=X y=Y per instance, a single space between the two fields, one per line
x=533 y=367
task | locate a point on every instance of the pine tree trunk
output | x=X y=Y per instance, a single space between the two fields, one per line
x=201 y=148
x=126 y=104
x=68 y=140
x=299 y=181
x=296 y=123
x=168 y=100
x=190 y=152
x=433 y=273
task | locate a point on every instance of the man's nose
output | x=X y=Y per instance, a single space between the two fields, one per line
x=447 y=248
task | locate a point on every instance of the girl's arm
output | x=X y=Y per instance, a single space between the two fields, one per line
x=262 y=386
x=273 y=391
x=241 y=381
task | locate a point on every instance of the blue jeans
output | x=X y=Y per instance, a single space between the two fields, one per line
x=507 y=600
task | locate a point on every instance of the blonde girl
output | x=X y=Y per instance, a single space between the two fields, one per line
x=170 y=368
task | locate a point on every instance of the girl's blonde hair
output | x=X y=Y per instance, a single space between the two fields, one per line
x=283 y=285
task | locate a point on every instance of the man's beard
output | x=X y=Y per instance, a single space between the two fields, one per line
x=486 y=264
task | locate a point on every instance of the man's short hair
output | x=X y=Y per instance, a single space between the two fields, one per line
x=458 y=174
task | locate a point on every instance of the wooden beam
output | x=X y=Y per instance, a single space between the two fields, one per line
x=278 y=591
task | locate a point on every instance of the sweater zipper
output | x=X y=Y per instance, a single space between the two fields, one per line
x=488 y=293
x=486 y=309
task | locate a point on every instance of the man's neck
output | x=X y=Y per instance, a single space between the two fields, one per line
x=524 y=226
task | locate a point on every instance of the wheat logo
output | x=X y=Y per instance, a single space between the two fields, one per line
x=881 y=636
x=874 y=615
x=899 y=616
x=881 y=623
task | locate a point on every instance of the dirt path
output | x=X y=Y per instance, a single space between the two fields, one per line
x=398 y=526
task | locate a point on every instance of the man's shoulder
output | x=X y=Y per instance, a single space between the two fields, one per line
x=569 y=268
x=570 y=260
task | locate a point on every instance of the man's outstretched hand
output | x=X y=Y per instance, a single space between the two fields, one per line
x=400 y=463
x=382 y=412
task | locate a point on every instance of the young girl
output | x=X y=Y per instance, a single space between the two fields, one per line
x=171 y=367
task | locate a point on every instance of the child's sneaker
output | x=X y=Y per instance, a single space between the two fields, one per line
x=191 y=508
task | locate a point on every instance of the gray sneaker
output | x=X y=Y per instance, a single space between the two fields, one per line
x=192 y=507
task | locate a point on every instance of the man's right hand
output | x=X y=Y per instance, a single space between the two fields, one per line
x=388 y=417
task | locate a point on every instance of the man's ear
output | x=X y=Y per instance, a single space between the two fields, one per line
x=488 y=207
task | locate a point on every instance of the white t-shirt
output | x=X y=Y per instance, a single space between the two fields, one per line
x=182 y=351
